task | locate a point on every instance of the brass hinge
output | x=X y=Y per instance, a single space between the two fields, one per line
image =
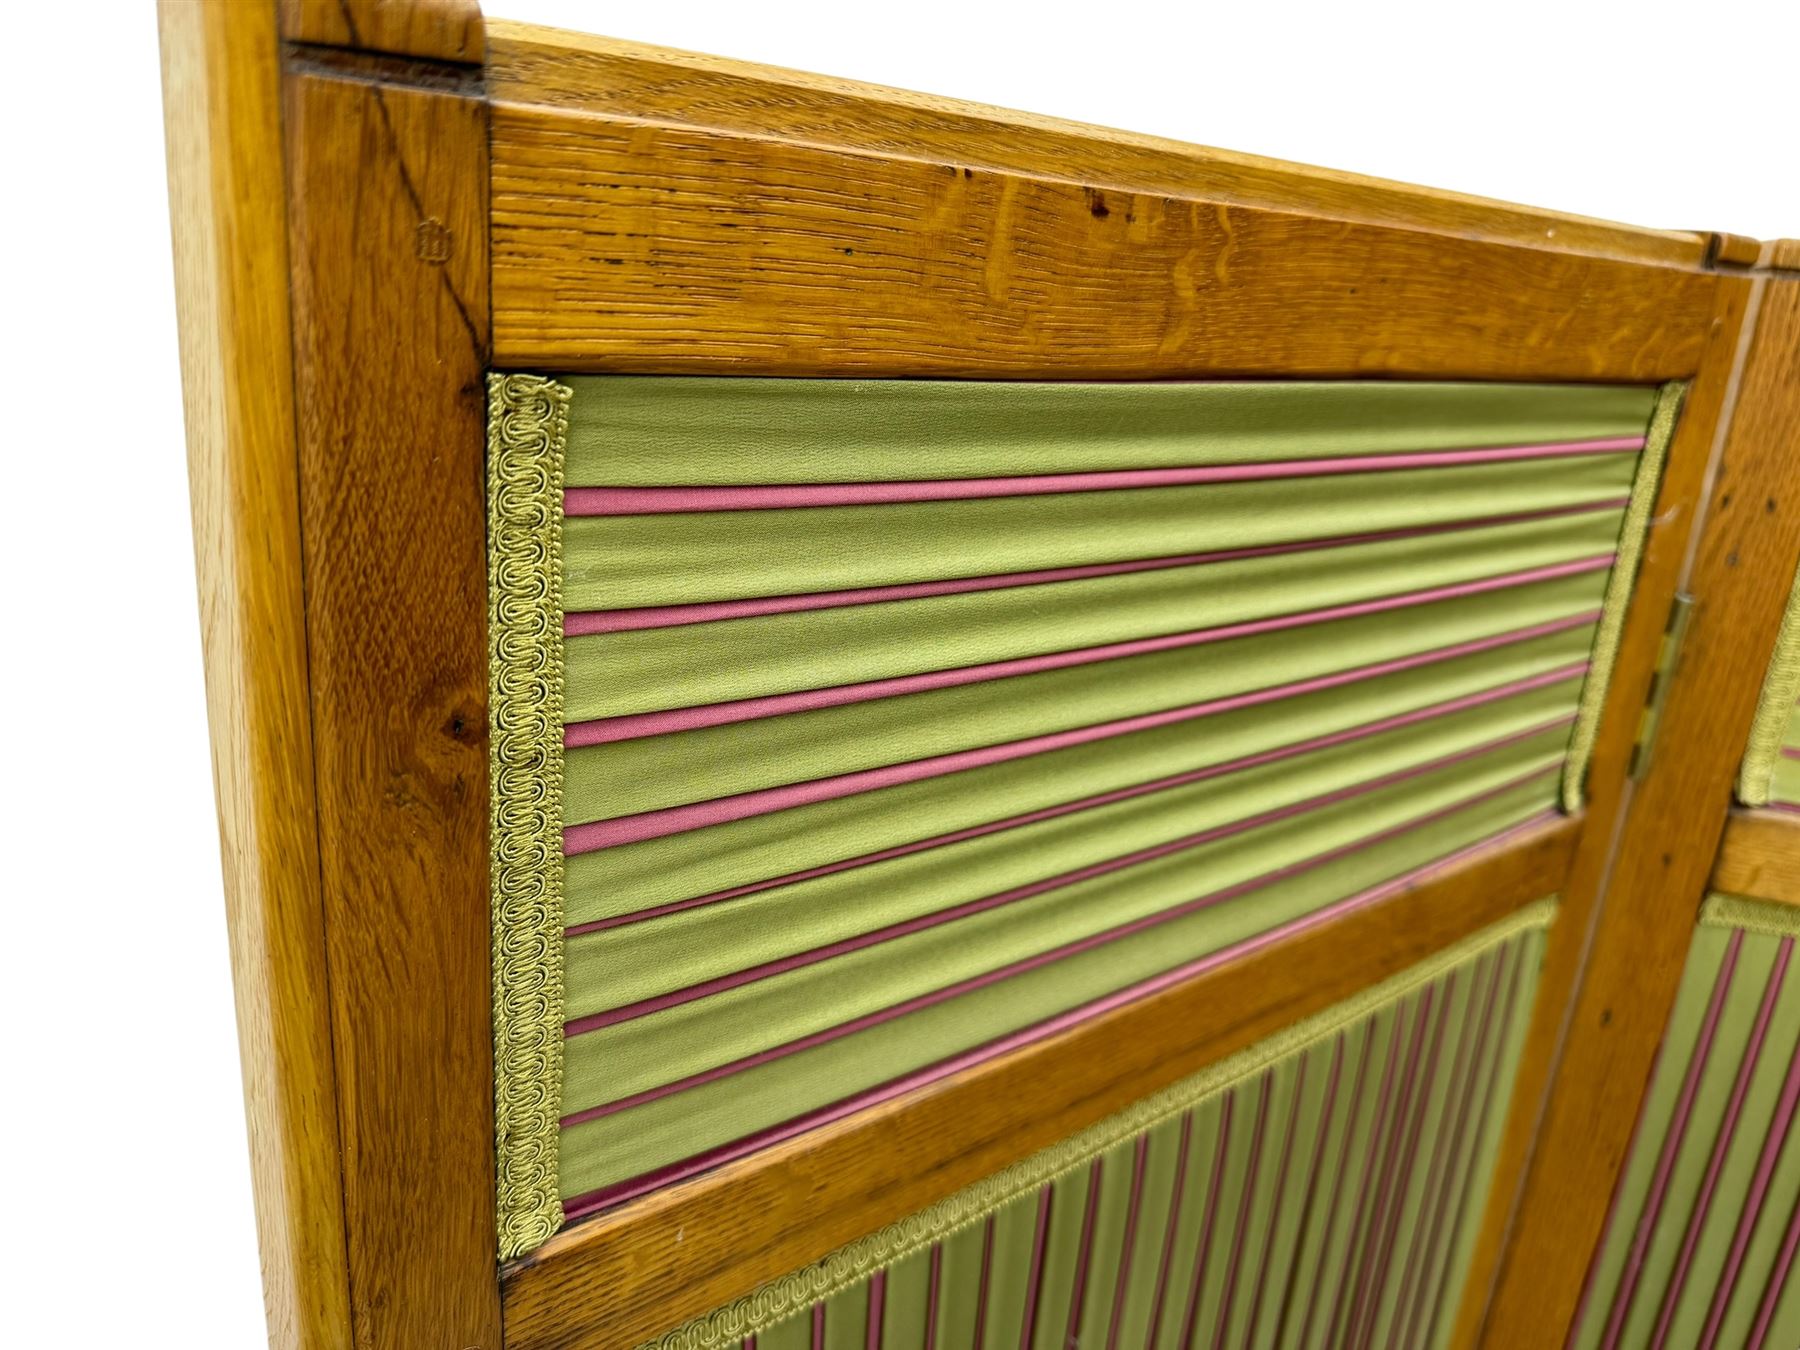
x=1668 y=660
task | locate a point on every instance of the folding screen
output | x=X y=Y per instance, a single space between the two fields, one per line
x=845 y=718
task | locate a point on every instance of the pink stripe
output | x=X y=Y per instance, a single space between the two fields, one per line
x=1751 y=1211
x=877 y=1306
x=983 y=1285
x=585 y=623
x=1171 y=1231
x=845 y=946
x=1722 y=1145
x=620 y=1192
x=934 y=1282
x=1278 y=1194
x=1203 y=1251
x=818 y=1326
x=638 y=501
x=1079 y=1296
x=635 y=726
x=668 y=820
x=1320 y=1274
x=1034 y=1277
x=1228 y=1295
x=1311 y=1191
x=630 y=1189
x=1351 y=734
x=1665 y=1163
x=1133 y=1209
x=1765 y=1311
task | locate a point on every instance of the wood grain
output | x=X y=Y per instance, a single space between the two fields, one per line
x=440 y=30
x=621 y=1278
x=1670 y=832
x=1760 y=856
x=629 y=246
x=389 y=290
x=1666 y=549
x=578 y=73
x=221 y=90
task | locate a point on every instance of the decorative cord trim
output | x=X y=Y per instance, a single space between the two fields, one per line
x=528 y=420
x=1780 y=690
x=1618 y=590
x=1769 y=917
x=780 y=1299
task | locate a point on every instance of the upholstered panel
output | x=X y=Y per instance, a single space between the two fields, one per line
x=1700 y=1244
x=904 y=721
x=1772 y=764
x=1319 y=1190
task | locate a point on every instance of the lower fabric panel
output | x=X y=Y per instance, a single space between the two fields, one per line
x=1699 y=1246
x=1320 y=1189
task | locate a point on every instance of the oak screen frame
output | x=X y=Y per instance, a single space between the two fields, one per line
x=376 y=203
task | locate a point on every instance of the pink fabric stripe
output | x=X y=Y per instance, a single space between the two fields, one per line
x=877 y=1307
x=635 y=726
x=1784 y=1262
x=1171 y=1231
x=585 y=838
x=1203 y=1251
x=934 y=1283
x=1034 y=1276
x=1276 y=755
x=1327 y=1113
x=845 y=946
x=629 y=1189
x=1722 y=1145
x=638 y=501
x=1133 y=1210
x=1282 y=1167
x=1321 y=1274
x=1665 y=1163
x=818 y=1326
x=1082 y=1261
x=587 y=623
x=1751 y=1211
x=984 y=1284
x=1241 y=1230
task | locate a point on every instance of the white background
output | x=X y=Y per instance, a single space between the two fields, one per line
x=126 y=1218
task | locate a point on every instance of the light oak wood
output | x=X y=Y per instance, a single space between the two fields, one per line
x=387 y=195
x=221 y=90
x=441 y=30
x=1670 y=832
x=617 y=1280
x=1759 y=856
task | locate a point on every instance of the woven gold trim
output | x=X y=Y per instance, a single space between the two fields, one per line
x=1618 y=591
x=1769 y=917
x=1780 y=689
x=782 y=1298
x=528 y=420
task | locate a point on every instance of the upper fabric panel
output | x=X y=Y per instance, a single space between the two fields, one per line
x=907 y=720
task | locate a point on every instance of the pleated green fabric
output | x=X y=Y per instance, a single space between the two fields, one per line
x=1700 y=1243
x=1771 y=772
x=1322 y=1190
x=906 y=718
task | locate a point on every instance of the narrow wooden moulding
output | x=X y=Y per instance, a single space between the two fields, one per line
x=627 y=1276
x=1759 y=856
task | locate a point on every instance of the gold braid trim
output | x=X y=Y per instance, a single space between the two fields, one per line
x=1774 y=710
x=1618 y=591
x=528 y=420
x=1768 y=917
x=850 y=1265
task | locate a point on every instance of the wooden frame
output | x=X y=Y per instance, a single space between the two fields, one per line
x=376 y=201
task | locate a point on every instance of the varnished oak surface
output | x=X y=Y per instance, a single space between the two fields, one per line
x=388 y=208
x=1760 y=856
x=441 y=30
x=629 y=245
x=619 y=1279
x=1670 y=834
x=579 y=73
x=221 y=89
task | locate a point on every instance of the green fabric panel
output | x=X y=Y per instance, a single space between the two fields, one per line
x=621 y=966
x=628 y=777
x=908 y=1296
x=1139 y=1302
x=612 y=674
x=793 y=1333
x=959 y=1287
x=847 y=1319
x=657 y=430
x=1106 y=1246
x=642 y=1138
x=657 y=871
x=1784 y=784
x=1284 y=1256
x=624 y=562
x=1062 y=1254
x=1015 y=1226
x=1184 y=1259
